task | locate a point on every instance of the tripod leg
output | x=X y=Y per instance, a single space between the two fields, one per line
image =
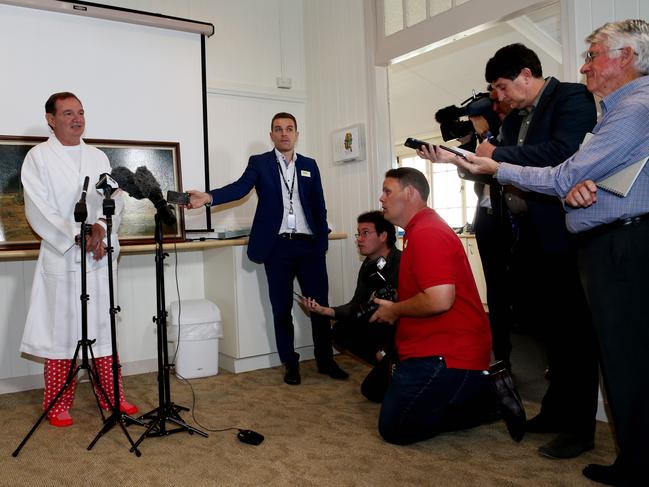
x=71 y=377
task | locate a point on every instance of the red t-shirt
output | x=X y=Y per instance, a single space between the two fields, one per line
x=433 y=255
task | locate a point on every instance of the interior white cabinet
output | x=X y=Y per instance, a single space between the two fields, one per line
x=238 y=287
x=471 y=249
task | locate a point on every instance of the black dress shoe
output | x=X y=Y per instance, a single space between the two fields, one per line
x=333 y=371
x=604 y=474
x=566 y=445
x=292 y=375
x=541 y=423
x=509 y=402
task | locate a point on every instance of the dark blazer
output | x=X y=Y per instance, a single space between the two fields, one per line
x=262 y=174
x=565 y=112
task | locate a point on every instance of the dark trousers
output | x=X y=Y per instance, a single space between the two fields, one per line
x=557 y=311
x=614 y=269
x=425 y=398
x=494 y=244
x=363 y=340
x=299 y=259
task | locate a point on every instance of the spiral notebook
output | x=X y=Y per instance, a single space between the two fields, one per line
x=622 y=181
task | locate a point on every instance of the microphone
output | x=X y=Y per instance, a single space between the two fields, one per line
x=143 y=184
x=147 y=183
x=80 y=209
x=124 y=177
x=106 y=185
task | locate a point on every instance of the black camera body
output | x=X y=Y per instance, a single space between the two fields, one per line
x=382 y=290
x=479 y=104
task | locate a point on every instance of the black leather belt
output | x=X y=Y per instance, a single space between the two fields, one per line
x=296 y=236
x=607 y=227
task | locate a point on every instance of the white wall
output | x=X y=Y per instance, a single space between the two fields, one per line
x=342 y=85
x=581 y=17
x=250 y=49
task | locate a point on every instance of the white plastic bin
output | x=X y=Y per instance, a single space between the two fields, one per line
x=200 y=330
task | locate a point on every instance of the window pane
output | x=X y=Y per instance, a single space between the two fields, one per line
x=439 y=6
x=446 y=187
x=416 y=162
x=452 y=216
x=415 y=11
x=393 y=13
x=471 y=200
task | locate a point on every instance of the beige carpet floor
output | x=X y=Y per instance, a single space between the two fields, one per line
x=321 y=433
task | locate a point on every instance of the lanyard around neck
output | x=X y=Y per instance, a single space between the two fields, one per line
x=290 y=190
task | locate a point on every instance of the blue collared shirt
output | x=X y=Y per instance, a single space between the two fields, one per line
x=620 y=138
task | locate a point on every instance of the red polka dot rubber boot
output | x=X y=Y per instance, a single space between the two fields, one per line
x=105 y=372
x=56 y=371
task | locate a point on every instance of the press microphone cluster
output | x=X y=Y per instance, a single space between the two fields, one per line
x=142 y=185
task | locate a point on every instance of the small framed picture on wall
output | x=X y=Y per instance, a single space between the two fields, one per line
x=349 y=144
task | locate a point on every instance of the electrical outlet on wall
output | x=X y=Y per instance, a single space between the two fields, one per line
x=284 y=83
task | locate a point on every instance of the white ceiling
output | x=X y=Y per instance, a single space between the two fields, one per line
x=447 y=75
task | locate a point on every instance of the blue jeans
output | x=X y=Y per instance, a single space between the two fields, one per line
x=425 y=398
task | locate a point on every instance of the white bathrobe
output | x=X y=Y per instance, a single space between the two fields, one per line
x=52 y=184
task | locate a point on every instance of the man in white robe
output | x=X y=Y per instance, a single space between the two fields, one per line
x=52 y=176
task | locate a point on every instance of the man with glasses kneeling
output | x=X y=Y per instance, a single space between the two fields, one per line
x=378 y=275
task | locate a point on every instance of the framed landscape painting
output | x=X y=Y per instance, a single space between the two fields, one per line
x=137 y=227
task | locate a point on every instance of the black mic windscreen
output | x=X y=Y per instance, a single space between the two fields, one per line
x=125 y=178
x=146 y=181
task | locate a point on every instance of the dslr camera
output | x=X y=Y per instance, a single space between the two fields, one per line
x=382 y=290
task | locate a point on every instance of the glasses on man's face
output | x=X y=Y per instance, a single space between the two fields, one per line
x=364 y=234
x=590 y=55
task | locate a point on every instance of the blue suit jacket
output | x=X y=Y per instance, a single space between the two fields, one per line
x=262 y=174
x=565 y=112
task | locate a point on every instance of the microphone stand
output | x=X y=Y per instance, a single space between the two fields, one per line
x=117 y=416
x=84 y=345
x=167 y=411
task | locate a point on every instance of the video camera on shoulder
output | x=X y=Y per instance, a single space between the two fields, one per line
x=451 y=119
x=382 y=290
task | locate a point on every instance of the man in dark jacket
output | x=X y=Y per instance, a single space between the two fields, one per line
x=372 y=342
x=548 y=122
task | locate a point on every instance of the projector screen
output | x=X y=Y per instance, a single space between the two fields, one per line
x=135 y=82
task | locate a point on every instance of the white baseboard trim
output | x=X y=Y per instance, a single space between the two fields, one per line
x=30 y=382
x=246 y=364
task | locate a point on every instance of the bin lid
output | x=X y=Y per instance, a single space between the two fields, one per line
x=193 y=311
x=201 y=331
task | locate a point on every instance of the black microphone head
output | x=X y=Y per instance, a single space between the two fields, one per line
x=146 y=181
x=106 y=184
x=125 y=179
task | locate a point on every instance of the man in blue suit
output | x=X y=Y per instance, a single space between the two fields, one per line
x=289 y=236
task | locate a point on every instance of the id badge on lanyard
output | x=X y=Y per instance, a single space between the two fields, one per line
x=290 y=220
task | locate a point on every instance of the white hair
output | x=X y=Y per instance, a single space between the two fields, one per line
x=633 y=33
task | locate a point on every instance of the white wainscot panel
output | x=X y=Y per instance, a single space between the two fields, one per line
x=239 y=287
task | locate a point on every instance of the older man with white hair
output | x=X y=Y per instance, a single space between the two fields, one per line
x=612 y=230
